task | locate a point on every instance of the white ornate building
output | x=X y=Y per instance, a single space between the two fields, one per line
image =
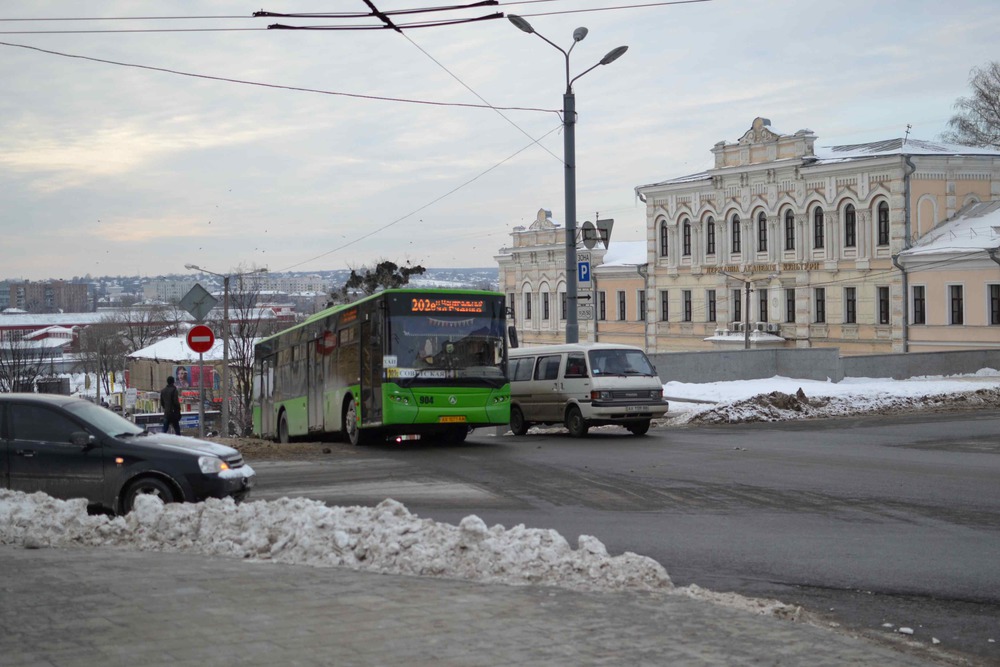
x=814 y=232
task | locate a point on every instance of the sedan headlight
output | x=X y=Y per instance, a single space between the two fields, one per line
x=211 y=465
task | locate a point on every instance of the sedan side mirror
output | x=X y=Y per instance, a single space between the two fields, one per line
x=82 y=439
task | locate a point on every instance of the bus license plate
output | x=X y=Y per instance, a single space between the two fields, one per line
x=451 y=420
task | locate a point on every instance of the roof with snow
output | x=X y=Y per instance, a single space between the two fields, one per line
x=625 y=253
x=176 y=349
x=849 y=152
x=898 y=146
x=975 y=227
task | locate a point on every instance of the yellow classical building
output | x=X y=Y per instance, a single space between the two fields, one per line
x=799 y=243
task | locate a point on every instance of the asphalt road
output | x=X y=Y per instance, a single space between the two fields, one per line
x=866 y=521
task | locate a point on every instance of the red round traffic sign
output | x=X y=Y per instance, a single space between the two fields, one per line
x=200 y=338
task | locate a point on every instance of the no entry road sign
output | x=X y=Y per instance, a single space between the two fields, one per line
x=200 y=338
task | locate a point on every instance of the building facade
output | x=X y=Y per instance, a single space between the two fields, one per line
x=612 y=304
x=799 y=242
x=55 y=296
x=952 y=278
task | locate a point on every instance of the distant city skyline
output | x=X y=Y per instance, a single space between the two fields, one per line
x=140 y=149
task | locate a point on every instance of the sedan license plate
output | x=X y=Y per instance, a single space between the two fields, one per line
x=635 y=408
x=451 y=420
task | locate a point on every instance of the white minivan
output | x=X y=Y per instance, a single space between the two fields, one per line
x=583 y=385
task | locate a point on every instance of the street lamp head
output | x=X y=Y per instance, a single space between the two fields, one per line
x=579 y=34
x=613 y=55
x=521 y=24
x=192 y=267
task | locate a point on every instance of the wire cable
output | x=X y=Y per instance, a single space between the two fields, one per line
x=421 y=208
x=273 y=85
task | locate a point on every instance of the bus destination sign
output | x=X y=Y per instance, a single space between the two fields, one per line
x=446 y=305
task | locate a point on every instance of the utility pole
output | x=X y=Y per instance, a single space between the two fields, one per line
x=746 y=318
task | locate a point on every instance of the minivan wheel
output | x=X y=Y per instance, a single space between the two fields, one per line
x=147 y=486
x=638 y=428
x=517 y=424
x=575 y=423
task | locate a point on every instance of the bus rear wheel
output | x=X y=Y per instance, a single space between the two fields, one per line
x=283 y=428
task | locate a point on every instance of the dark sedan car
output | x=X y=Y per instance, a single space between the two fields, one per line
x=70 y=448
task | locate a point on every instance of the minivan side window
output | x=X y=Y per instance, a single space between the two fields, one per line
x=548 y=367
x=521 y=369
x=32 y=422
x=576 y=365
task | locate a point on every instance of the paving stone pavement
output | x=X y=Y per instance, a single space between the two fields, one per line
x=82 y=607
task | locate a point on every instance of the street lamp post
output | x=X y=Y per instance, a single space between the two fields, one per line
x=225 y=337
x=569 y=160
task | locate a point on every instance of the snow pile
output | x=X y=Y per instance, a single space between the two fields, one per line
x=781 y=398
x=386 y=538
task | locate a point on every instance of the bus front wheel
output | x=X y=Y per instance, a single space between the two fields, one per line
x=352 y=429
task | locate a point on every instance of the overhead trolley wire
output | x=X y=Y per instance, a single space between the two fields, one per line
x=273 y=85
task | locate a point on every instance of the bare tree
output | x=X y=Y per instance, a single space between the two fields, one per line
x=978 y=123
x=368 y=280
x=248 y=322
x=21 y=364
x=141 y=327
x=103 y=350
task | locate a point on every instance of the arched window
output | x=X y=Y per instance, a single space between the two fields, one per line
x=686 y=238
x=818 y=224
x=761 y=232
x=663 y=238
x=710 y=236
x=850 y=227
x=883 y=223
x=789 y=230
x=736 y=233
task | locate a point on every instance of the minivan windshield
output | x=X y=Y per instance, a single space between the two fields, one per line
x=620 y=362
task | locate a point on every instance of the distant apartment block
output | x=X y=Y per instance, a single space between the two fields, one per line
x=45 y=297
x=293 y=284
x=168 y=291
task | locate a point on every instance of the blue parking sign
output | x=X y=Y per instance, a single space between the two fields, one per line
x=583 y=272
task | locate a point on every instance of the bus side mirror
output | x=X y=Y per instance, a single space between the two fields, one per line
x=512 y=335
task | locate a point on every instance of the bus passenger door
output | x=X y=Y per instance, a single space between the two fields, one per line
x=316 y=380
x=268 y=426
x=371 y=370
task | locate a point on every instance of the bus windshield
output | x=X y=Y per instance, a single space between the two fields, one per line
x=435 y=338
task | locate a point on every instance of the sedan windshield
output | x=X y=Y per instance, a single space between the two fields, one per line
x=104 y=420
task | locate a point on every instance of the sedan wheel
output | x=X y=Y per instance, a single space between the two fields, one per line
x=148 y=486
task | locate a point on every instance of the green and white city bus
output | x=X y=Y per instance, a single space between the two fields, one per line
x=403 y=362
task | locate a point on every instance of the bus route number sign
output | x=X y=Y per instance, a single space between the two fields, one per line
x=446 y=305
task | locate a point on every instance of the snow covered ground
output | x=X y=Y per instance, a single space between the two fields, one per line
x=388 y=538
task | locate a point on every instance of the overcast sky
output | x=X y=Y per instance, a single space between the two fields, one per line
x=108 y=170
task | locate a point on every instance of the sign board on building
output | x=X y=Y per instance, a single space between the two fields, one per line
x=198 y=302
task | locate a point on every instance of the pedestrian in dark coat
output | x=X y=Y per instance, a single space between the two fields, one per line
x=170 y=402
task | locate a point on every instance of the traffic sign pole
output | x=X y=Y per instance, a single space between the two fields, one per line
x=201 y=395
